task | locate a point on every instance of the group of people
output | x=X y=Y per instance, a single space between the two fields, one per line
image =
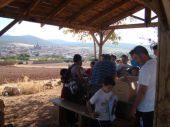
x=100 y=79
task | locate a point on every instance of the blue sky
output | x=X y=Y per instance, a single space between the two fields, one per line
x=137 y=35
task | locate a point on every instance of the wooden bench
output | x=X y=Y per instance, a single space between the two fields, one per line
x=64 y=105
x=122 y=112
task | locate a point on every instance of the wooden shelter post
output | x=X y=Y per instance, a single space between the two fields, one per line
x=100 y=44
x=94 y=42
x=162 y=109
x=101 y=40
x=162 y=104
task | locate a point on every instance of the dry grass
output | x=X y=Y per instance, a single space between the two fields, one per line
x=34 y=110
x=28 y=86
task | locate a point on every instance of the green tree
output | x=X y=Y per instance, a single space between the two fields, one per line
x=23 y=57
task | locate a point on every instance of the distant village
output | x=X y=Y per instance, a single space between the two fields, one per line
x=39 y=52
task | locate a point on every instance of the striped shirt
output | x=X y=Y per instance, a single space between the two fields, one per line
x=101 y=70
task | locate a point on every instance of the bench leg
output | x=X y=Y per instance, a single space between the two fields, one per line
x=83 y=121
x=62 y=122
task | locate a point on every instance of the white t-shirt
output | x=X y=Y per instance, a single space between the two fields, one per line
x=147 y=77
x=101 y=101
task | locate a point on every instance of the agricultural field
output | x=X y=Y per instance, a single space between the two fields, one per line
x=33 y=107
x=14 y=74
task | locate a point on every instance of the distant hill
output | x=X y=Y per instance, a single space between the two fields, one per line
x=6 y=39
x=22 y=39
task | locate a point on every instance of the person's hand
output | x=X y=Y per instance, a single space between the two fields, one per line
x=124 y=79
x=94 y=115
x=133 y=112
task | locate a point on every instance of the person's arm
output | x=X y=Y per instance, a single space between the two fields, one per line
x=128 y=79
x=140 y=95
x=93 y=100
x=90 y=111
x=78 y=72
x=89 y=107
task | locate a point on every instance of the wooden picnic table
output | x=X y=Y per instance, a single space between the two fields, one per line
x=64 y=106
x=84 y=119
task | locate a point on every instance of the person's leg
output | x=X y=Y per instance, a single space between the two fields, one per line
x=147 y=118
x=95 y=123
x=139 y=119
x=2 y=120
x=105 y=123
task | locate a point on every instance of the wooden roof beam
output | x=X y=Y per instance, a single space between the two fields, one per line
x=74 y=26
x=130 y=26
x=28 y=11
x=105 y=12
x=56 y=10
x=83 y=10
x=31 y=7
x=136 y=17
x=8 y=26
x=122 y=16
x=154 y=18
x=4 y=3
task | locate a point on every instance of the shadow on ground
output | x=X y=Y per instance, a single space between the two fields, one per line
x=32 y=110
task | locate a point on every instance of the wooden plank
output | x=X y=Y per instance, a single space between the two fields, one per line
x=131 y=26
x=79 y=109
x=105 y=12
x=4 y=3
x=151 y=4
x=56 y=10
x=31 y=7
x=28 y=10
x=8 y=26
x=83 y=10
x=122 y=16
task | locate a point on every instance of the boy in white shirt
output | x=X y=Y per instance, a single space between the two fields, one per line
x=101 y=100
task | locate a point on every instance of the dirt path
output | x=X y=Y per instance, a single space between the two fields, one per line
x=32 y=110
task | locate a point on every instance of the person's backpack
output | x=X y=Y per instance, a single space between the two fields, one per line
x=72 y=89
x=65 y=78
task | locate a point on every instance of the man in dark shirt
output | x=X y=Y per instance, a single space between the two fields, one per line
x=102 y=69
